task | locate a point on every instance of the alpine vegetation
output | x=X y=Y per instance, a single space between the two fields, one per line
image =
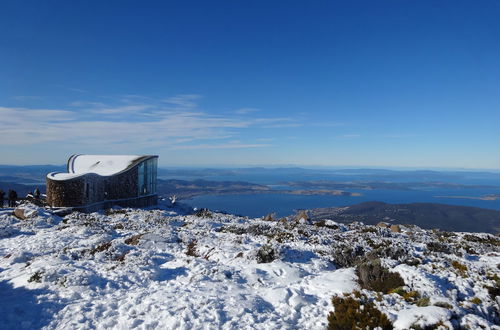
x=171 y=268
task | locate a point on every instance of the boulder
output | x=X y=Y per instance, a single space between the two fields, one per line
x=382 y=225
x=24 y=214
x=395 y=228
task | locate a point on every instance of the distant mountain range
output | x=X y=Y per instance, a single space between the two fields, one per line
x=25 y=179
x=425 y=215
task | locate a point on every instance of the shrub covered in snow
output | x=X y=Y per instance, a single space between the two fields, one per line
x=266 y=253
x=168 y=268
x=373 y=276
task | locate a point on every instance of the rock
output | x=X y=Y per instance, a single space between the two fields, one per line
x=382 y=225
x=395 y=228
x=24 y=214
x=269 y=217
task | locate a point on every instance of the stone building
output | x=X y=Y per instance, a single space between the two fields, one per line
x=96 y=182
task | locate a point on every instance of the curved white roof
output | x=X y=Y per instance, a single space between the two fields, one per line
x=104 y=165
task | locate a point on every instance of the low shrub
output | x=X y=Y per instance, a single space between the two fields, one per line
x=350 y=313
x=491 y=240
x=100 y=248
x=438 y=247
x=411 y=296
x=191 y=249
x=423 y=302
x=282 y=237
x=435 y=326
x=133 y=240
x=36 y=277
x=476 y=300
x=121 y=257
x=494 y=291
x=443 y=304
x=115 y=211
x=255 y=229
x=372 y=276
x=461 y=268
x=347 y=256
x=400 y=291
x=204 y=213
x=369 y=230
x=413 y=261
x=266 y=253
x=323 y=224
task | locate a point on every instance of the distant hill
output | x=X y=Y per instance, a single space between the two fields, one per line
x=187 y=189
x=21 y=189
x=28 y=174
x=426 y=215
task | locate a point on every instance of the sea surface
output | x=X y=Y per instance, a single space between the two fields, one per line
x=257 y=205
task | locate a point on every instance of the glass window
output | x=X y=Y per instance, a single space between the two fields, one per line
x=140 y=181
x=147 y=177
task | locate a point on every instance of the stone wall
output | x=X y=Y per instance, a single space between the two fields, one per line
x=66 y=193
x=123 y=185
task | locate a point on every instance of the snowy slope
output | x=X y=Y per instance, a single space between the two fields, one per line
x=165 y=269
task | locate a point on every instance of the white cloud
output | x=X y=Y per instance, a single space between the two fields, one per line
x=79 y=90
x=26 y=97
x=172 y=123
x=184 y=100
x=224 y=146
x=123 y=109
x=245 y=111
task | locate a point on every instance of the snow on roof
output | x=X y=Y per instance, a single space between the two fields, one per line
x=104 y=165
x=101 y=164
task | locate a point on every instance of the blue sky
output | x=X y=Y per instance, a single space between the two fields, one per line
x=237 y=83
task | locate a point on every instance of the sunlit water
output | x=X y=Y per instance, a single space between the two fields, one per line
x=256 y=205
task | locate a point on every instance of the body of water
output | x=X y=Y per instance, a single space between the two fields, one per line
x=257 y=205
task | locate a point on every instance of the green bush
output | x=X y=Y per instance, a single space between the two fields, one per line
x=350 y=313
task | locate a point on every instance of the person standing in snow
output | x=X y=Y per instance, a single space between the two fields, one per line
x=2 y=197
x=12 y=198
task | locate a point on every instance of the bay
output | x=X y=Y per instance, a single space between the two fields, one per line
x=257 y=205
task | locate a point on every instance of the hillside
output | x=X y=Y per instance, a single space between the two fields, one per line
x=425 y=215
x=165 y=268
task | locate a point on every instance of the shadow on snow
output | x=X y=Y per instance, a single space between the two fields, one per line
x=25 y=308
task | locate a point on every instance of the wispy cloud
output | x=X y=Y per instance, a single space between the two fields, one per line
x=123 y=110
x=184 y=100
x=223 y=146
x=26 y=97
x=350 y=136
x=245 y=111
x=78 y=90
x=174 y=122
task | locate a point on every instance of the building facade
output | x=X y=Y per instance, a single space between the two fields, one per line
x=96 y=182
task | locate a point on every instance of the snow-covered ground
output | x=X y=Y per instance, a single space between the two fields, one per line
x=162 y=268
